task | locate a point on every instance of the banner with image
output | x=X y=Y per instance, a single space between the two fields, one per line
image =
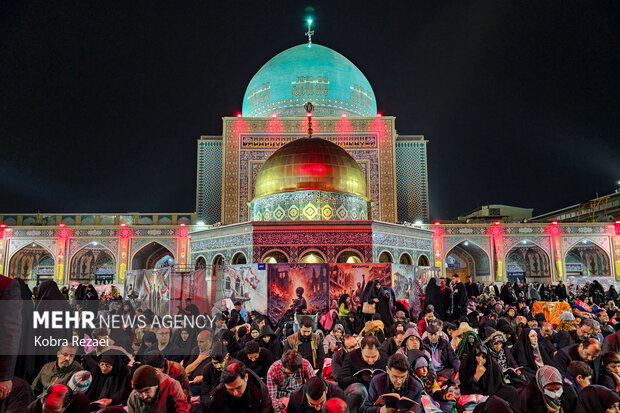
x=248 y=284
x=295 y=286
x=352 y=278
x=149 y=289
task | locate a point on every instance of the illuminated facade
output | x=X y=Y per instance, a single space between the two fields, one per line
x=355 y=192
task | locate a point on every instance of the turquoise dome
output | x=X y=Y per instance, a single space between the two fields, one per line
x=309 y=73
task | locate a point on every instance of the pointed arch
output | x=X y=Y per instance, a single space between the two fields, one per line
x=26 y=262
x=468 y=258
x=148 y=255
x=586 y=258
x=527 y=260
x=91 y=260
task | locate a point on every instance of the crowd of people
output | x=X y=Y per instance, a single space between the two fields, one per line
x=460 y=347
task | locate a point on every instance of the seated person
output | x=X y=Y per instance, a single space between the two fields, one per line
x=240 y=391
x=545 y=394
x=480 y=374
x=444 y=360
x=395 y=380
x=57 y=372
x=111 y=381
x=285 y=376
x=60 y=398
x=577 y=377
x=172 y=369
x=156 y=392
x=212 y=372
x=255 y=358
x=419 y=368
x=596 y=399
x=368 y=356
x=170 y=350
x=19 y=397
x=529 y=353
x=610 y=371
x=313 y=396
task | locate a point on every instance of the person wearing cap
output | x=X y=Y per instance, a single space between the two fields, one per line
x=240 y=391
x=443 y=358
x=420 y=370
x=154 y=392
x=80 y=381
x=171 y=368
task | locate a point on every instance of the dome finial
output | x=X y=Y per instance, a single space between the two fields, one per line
x=310 y=32
x=309 y=108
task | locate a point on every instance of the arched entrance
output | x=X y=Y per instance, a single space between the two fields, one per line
x=32 y=263
x=93 y=264
x=405 y=259
x=423 y=261
x=588 y=260
x=312 y=257
x=349 y=257
x=152 y=255
x=201 y=263
x=239 y=258
x=467 y=258
x=275 y=257
x=527 y=262
x=385 y=257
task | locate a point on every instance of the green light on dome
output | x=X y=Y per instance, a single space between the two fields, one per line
x=309 y=21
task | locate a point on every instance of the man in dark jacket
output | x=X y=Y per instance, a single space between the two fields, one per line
x=588 y=352
x=240 y=391
x=307 y=343
x=368 y=356
x=313 y=395
x=459 y=297
x=255 y=358
x=471 y=288
x=396 y=380
x=348 y=345
x=235 y=316
x=212 y=372
x=444 y=360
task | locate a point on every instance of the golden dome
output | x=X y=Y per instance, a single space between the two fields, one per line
x=310 y=164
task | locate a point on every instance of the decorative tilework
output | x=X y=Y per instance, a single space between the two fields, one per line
x=370 y=141
x=412 y=179
x=309 y=205
x=77 y=244
x=209 y=180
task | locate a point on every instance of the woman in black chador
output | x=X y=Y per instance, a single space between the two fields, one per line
x=111 y=379
x=528 y=353
x=480 y=374
x=374 y=293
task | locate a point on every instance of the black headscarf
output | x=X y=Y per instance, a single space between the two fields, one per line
x=25 y=367
x=148 y=337
x=49 y=298
x=491 y=380
x=232 y=346
x=524 y=354
x=115 y=385
x=434 y=296
x=597 y=399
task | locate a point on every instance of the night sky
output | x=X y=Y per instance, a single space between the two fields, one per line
x=101 y=102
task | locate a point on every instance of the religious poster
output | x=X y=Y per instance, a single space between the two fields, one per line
x=402 y=277
x=351 y=278
x=247 y=283
x=295 y=286
x=149 y=289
